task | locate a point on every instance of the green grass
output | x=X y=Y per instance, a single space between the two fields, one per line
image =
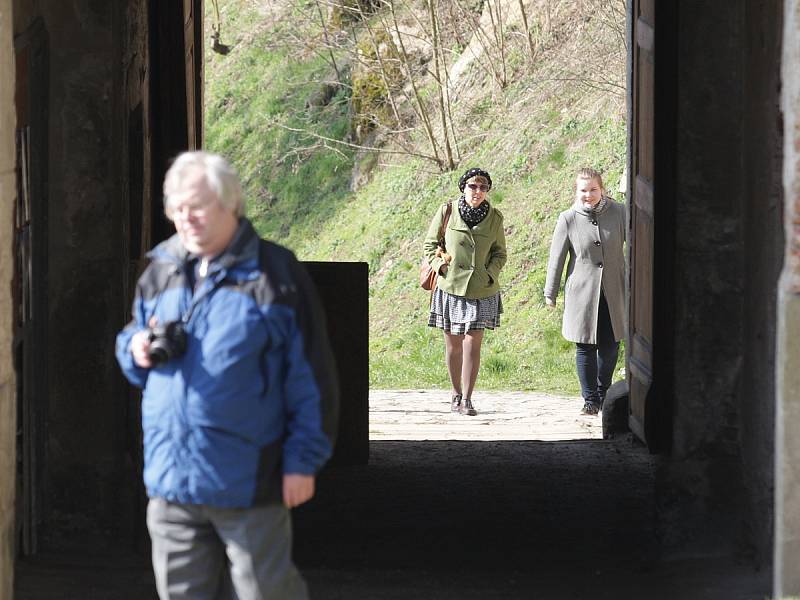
x=302 y=199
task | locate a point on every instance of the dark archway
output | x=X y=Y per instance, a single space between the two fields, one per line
x=727 y=135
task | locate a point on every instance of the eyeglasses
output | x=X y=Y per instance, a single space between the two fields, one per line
x=482 y=187
x=184 y=210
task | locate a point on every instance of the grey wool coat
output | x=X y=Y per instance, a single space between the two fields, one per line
x=593 y=242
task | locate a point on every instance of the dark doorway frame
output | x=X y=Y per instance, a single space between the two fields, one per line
x=32 y=55
x=176 y=36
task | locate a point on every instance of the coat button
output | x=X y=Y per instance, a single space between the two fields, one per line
x=594 y=222
x=597 y=242
x=600 y=265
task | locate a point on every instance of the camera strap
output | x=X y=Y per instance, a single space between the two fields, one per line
x=192 y=285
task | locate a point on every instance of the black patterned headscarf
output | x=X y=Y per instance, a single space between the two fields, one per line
x=473 y=216
x=474 y=172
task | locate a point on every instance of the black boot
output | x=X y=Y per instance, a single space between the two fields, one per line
x=590 y=408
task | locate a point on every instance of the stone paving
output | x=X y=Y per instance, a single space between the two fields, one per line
x=466 y=508
x=502 y=415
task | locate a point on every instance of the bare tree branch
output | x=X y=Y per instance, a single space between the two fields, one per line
x=313 y=134
x=441 y=85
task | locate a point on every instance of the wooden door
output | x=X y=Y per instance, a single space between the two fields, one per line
x=193 y=60
x=642 y=222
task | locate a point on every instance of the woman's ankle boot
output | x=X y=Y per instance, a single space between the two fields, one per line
x=467 y=408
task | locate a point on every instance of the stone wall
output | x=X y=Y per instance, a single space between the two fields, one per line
x=787 y=418
x=89 y=483
x=135 y=205
x=83 y=280
x=717 y=486
x=764 y=247
x=8 y=417
x=702 y=482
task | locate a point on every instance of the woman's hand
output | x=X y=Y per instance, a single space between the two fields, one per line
x=447 y=258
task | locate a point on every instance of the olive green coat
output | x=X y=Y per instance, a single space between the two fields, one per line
x=594 y=244
x=478 y=253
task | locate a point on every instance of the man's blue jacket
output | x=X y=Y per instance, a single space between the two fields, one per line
x=254 y=396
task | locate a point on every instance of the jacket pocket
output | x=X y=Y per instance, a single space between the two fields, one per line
x=485 y=278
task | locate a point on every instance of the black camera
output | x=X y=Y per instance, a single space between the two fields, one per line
x=167 y=341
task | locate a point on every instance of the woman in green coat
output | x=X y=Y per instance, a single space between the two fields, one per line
x=466 y=300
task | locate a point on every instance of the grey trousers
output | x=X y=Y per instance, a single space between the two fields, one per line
x=206 y=553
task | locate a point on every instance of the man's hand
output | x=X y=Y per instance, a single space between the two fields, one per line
x=140 y=344
x=297 y=489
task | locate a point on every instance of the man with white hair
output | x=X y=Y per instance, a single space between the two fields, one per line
x=240 y=396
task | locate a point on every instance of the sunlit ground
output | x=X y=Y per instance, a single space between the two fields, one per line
x=425 y=415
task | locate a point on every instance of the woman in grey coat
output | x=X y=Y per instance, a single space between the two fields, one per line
x=592 y=234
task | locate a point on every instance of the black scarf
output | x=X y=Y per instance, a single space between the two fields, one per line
x=472 y=216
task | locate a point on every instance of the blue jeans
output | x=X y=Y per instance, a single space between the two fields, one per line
x=596 y=362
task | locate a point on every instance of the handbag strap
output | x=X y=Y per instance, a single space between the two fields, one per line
x=443 y=226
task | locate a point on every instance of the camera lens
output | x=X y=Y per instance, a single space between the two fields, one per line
x=158 y=355
x=167 y=341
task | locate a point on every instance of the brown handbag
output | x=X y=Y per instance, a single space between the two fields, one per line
x=427 y=276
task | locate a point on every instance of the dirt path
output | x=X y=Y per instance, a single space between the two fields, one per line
x=425 y=415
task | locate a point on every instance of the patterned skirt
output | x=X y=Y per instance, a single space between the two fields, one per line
x=458 y=315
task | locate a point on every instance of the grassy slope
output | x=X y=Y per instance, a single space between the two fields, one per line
x=537 y=132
